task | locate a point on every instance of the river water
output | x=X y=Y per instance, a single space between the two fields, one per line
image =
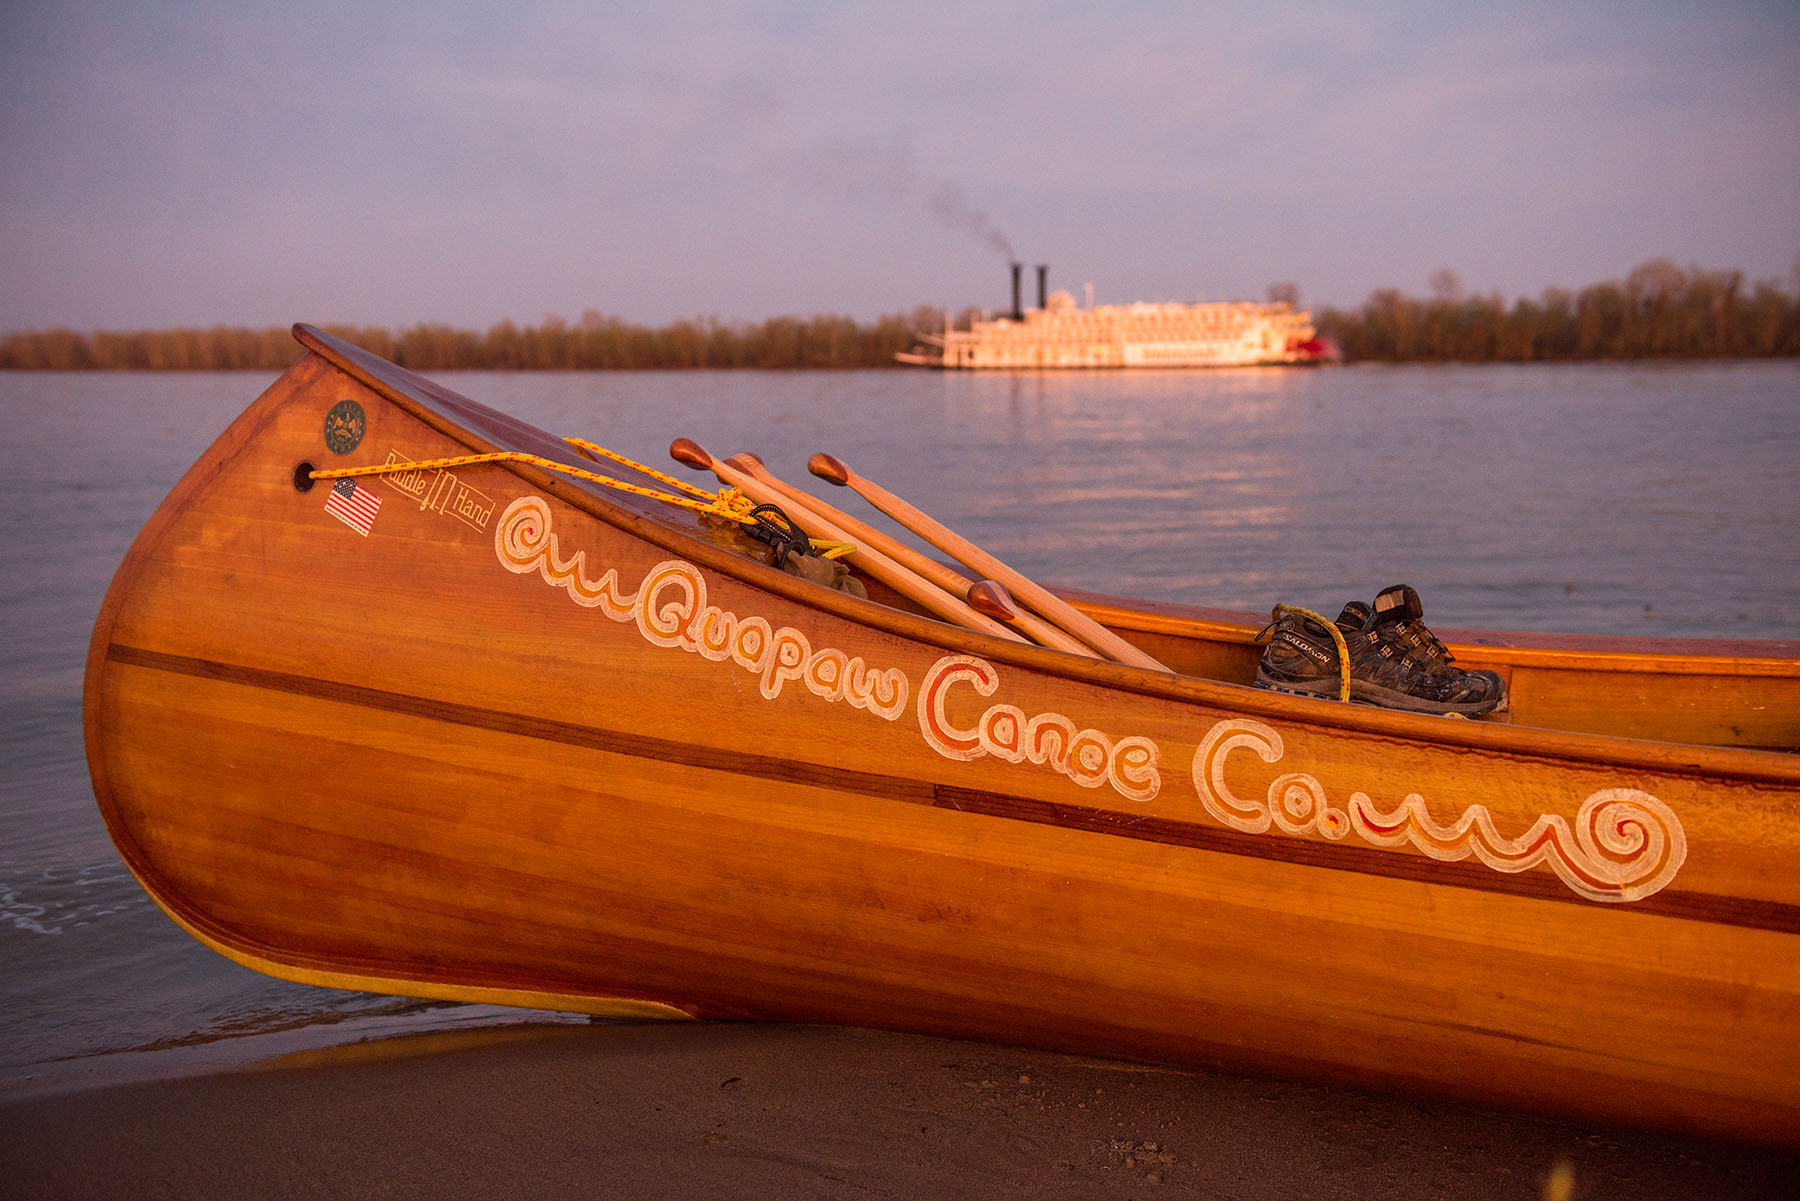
x=1639 y=499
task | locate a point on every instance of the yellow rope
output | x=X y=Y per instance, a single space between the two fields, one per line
x=1337 y=636
x=594 y=448
x=728 y=503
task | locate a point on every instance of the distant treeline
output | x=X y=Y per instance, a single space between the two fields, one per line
x=595 y=343
x=1660 y=311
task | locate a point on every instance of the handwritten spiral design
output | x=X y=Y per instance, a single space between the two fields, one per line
x=670 y=609
x=523 y=539
x=1298 y=806
x=1620 y=831
x=1625 y=844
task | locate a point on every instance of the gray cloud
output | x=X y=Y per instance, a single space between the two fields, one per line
x=195 y=162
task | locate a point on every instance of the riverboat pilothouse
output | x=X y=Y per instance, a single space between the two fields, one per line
x=1059 y=334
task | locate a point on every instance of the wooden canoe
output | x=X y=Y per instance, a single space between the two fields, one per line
x=505 y=735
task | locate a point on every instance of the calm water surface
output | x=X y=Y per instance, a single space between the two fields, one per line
x=1590 y=499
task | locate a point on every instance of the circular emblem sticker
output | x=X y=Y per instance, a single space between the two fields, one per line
x=344 y=427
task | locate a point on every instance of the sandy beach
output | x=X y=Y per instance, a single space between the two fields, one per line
x=689 y=1110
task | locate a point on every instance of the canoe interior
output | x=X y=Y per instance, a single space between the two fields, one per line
x=1709 y=692
x=1716 y=692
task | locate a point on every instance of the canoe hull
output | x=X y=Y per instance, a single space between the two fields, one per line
x=516 y=742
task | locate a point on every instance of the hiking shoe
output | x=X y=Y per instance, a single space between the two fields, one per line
x=1301 y=656
x=1395 y=662
x=1411 y=651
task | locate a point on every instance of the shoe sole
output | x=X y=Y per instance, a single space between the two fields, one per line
x=1370 y=694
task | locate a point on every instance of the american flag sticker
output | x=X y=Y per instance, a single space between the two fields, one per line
x=353 y=506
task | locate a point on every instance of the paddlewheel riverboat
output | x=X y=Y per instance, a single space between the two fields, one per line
x=1060 y=335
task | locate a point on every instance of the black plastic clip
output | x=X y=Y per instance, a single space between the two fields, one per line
x=769 y=524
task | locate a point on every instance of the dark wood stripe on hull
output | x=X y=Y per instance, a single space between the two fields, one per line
x=1756 y=915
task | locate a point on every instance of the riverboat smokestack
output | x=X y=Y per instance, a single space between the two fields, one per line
x=1043 y=286
x=1018 y=312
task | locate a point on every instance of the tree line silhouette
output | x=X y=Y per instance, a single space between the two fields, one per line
x=1658 y=311
x=595 y=343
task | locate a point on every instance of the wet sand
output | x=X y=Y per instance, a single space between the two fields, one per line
x=647 y=1111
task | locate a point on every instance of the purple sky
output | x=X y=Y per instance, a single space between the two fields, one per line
x=188 y=162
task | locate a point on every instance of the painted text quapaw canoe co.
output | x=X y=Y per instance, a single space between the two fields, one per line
x=495 y=732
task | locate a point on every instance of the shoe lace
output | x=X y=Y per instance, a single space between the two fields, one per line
x=1422 y=644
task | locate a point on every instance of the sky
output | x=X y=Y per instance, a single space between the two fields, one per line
x=204 y=162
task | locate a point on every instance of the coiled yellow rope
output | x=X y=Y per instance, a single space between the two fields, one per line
x=728 y=503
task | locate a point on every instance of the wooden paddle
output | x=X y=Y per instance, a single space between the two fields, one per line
x=992 y=598
x=908 y=583
x=1047 y=603
x=995 y=600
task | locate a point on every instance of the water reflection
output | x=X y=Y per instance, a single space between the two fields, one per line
x=1541 y=497
x=1109 y=481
